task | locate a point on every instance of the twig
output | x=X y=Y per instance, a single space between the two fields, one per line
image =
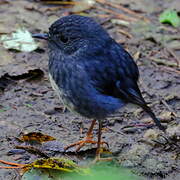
x=167 y=63
x=103 y=15
x=56 y=8
x=119 y=22
x=174 y=55
x=4 y=2
x=33 y=150
x=124 y=33
x=164 y=68
x=120 y=16
x=120 y=41
x=61 y=2
x=13 y=165
x=167 y=106
x=118 y=6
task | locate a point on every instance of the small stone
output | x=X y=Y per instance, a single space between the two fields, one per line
x=155 y=166
x=50 y=112
x=128 y=164
x=151 y=134
x=147 y=120
x=174 y=131
x=130 y=130
x=167 y=116
x=135 y=155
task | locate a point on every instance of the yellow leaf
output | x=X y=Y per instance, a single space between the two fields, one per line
x=61 y=164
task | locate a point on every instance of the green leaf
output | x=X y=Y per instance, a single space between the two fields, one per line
x=29 y=105
x=171 y=17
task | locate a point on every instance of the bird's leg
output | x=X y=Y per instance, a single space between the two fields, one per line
x=87 y=139
x=98 y=151
x=99 y=141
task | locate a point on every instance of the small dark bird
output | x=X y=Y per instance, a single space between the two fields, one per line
x=92 y=74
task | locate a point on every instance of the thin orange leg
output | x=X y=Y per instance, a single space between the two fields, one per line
x=98 y=151
x=87 y=139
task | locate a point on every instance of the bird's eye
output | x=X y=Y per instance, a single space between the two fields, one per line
x=64 y=39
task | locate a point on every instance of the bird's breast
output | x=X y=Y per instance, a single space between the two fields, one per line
x=78 y=91
x=61 y=94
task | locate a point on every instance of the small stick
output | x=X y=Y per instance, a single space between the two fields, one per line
x=124 y=33
x=118 y=6
x=33 y=150
x=11 y=163
x=56 y=8
x=159 y=61
x=103 y=15
x=8 y=167
x=120 y=16
x=174 y=55
x=167 y=106
x=61 y=2
x=164 y=68
x=4 y=2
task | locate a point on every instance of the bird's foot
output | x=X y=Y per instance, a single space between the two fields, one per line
x=98 y=157
x=80 y=144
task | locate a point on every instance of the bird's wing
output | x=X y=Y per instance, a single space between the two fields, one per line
x=115 y=73
x=117 y=76
x=127 y=84
x=127 y=76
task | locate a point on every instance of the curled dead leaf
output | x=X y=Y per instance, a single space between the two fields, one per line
x=37 y=137
x=151 y=134
x=167 y=116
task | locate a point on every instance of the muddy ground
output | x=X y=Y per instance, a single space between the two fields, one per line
x=28 y=103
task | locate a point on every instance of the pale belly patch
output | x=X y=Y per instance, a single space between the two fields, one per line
x=61 y=94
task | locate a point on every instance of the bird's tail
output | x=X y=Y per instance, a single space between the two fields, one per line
x=134 y=96
x=152 y=115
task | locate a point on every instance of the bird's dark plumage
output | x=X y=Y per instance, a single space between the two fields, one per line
x=94 y=75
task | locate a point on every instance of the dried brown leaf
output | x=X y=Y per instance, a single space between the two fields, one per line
x=36 y=136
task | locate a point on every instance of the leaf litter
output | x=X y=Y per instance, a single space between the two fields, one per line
x=25 y=102
x=61 y=164
x=36 y=136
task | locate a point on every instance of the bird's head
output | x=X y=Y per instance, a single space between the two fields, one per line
x=74 y=33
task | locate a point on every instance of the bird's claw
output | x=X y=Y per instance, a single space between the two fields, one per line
x=80 y=144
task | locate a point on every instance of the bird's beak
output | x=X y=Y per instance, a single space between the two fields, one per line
x=41 y=36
